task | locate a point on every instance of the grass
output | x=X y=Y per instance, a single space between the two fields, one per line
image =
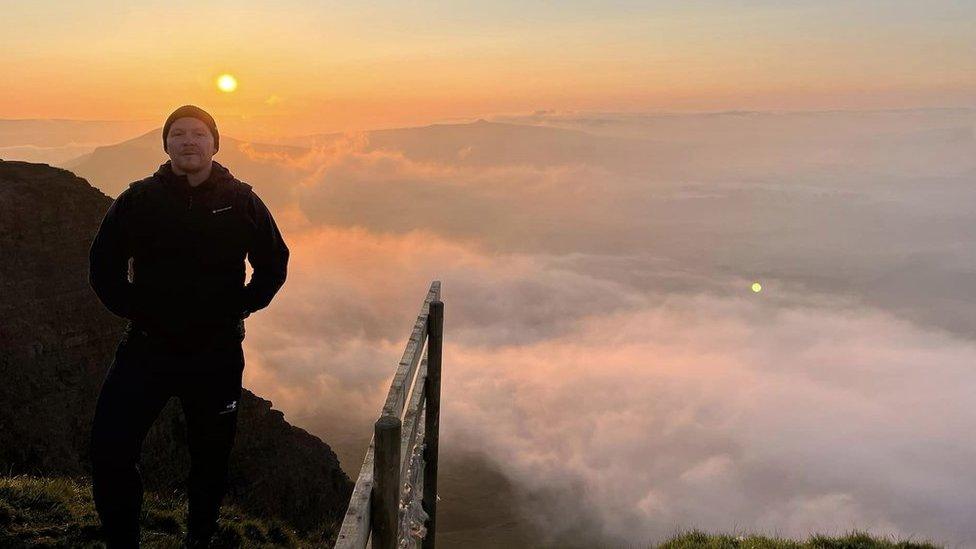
x=697 y=539
x=59 y=512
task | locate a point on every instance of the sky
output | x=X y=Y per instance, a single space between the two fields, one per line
x=305 y=67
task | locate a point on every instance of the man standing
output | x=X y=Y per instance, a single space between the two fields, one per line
x=169 y=256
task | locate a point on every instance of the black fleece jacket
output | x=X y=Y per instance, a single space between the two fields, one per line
x=187 y=246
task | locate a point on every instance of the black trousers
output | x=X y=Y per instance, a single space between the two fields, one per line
x=143 y=376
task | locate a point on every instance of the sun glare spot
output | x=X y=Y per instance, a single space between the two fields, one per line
x=227 y=83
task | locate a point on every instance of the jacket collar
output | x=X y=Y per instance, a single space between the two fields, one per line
x=218 y=174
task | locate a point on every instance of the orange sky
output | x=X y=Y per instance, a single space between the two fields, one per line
x=303 y=67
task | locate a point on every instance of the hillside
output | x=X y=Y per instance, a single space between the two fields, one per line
x=57 y=341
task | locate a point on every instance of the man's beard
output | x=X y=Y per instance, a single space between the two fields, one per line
x=191 y=164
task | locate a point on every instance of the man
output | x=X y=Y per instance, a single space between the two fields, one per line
x=186 y=230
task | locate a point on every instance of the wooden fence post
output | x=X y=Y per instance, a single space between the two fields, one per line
x=385 y=503
x=432 y=395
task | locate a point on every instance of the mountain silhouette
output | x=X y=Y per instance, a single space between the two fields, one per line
x=111 y=168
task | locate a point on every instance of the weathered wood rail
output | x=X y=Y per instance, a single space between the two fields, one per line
x=394 y=503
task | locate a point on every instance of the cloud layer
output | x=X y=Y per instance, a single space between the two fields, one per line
x=604 y=350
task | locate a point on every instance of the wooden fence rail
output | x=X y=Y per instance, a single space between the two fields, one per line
x=389 y=484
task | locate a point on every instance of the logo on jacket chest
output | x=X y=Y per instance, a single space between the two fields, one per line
x=211 y=233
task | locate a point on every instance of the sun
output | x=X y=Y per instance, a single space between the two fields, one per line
x=226 y=83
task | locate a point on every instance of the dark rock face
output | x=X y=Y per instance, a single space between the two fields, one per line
x=57 y=342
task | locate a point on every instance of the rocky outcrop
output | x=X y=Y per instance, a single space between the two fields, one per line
x=57 y=342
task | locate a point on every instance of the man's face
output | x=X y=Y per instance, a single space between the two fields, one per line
x=190 y=145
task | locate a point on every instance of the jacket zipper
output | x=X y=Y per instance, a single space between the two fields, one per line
x=190 y=206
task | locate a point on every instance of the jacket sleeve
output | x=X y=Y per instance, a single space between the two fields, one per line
x=268 y=256
x=108 y=262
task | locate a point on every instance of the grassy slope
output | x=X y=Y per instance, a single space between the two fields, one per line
x=59 y=512
x=853 y=540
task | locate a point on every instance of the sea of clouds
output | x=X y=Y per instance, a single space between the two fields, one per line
x=603 y=348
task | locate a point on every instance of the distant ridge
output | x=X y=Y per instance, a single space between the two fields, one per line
x=112 y=167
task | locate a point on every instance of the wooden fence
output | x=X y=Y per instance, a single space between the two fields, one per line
x=394 y=503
